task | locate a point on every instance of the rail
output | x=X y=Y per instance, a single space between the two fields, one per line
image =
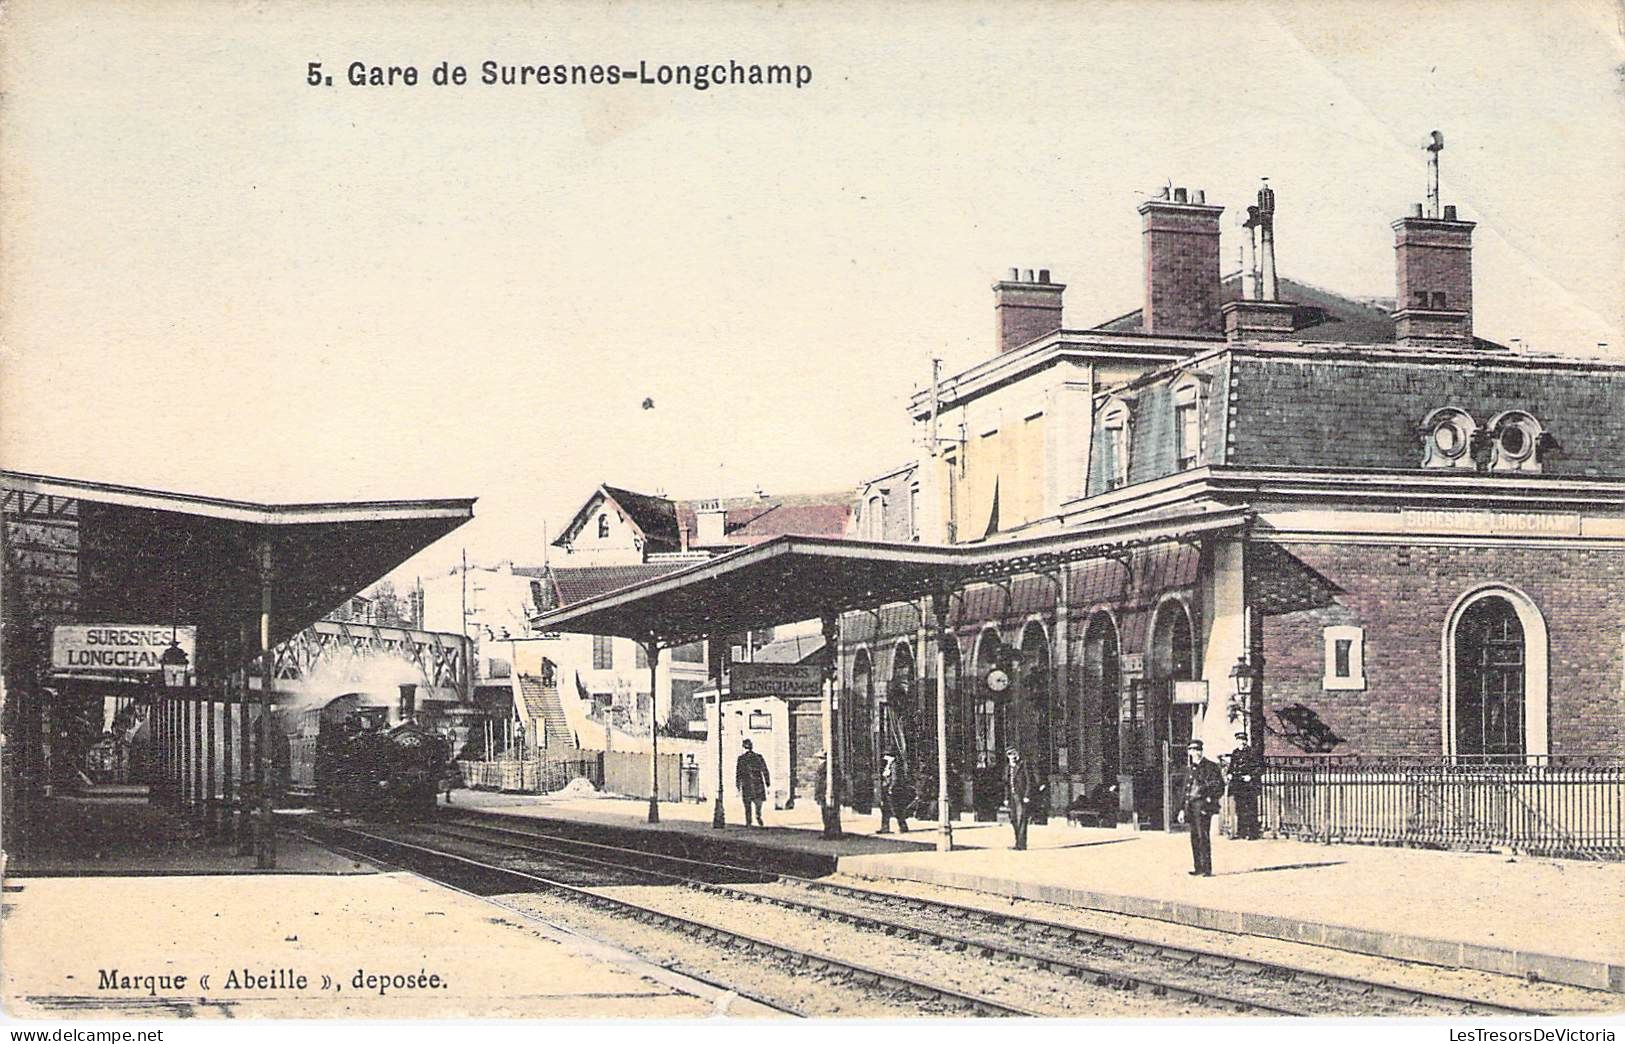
x=1549 y=806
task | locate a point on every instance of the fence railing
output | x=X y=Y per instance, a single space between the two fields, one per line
x=1573 y=807
x=534 y=775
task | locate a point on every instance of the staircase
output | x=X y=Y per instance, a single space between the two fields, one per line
x=542 y=704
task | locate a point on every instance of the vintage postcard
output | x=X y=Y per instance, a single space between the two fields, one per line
x=850 y=510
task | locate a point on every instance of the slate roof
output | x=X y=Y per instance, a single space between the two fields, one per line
x=655 y=516
x=567 y=585
x=751 y=520
x=804 y=649
x=1320 y=315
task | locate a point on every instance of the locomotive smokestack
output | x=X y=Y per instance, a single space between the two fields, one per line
x=409 y=701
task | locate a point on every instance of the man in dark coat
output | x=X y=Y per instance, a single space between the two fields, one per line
x=1246 y=785
x=750 y=774
x=1019 y=793
x=896 y=795
x=1204 y=785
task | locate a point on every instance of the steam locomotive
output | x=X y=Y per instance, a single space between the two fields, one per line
x=358 y=754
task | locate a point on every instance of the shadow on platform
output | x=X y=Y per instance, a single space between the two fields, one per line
x=117 y=831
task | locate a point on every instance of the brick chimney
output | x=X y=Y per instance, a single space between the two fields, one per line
x=1025 y=308
x=1181 y=238
x=1433 y=269
x=1433 y=266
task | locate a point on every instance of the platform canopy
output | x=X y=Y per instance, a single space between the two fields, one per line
x=792 y=578
x=153 y=557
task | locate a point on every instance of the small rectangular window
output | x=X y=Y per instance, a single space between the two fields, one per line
x=1111 y=457
x=1187 y=434
x=642 y=656
x=693 y=652
x=603 y=652
x=1345 y=658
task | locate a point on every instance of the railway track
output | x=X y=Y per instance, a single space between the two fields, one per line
x=1198 y=976
x=450 y=867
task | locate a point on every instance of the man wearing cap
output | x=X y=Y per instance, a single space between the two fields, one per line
x=895 y=795
x=1246 y=784
x=750 y=773
x=1019 y=792
x=1204 y=785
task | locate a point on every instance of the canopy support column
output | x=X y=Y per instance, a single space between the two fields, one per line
x=832 y=674
x=945 y=823
x=652 y=647
x=718 y=649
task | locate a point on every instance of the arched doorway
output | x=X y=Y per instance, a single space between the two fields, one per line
x=989 y=730
x=896 y=717
x=1163 y=727
x=1099 y=701
x=859 y=715
x=1034 y=710
x=1496 y=677
x=959 y=796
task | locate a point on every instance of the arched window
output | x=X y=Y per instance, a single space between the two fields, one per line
x=988 y=721
x=1489 y=680
x=1114 y=444
x=1496 y=684
x=1035 y=697
x=603 y=527
x=1103 y=679
x=1187 y=394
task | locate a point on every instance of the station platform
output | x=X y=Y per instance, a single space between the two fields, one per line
x=1556 y=920
x=118 y=831
x=114 y=925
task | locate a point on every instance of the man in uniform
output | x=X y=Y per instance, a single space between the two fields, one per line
x=1204 y=785
x=895 y=795
x=1246 y=784
x=1019 y=793
x=750 y=774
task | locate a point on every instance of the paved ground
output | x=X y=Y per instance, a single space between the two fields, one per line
x=150 y=900
x=1560 y=919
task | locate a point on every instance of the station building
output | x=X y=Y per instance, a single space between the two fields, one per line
x=1363 y=530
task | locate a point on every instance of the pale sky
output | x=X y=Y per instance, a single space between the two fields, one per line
x=218 y=279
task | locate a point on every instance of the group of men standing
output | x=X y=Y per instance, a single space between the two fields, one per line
x=1205 y=785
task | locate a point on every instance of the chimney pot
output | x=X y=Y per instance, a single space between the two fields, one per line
x=1200 y=197
x=1416 y=210
x=1181 y=266
x=1433 y=275
x=1025 y=309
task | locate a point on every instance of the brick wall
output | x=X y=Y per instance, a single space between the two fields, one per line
x=1402 y=596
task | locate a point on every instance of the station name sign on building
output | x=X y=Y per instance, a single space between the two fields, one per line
x=746 y=680
x=113 y=650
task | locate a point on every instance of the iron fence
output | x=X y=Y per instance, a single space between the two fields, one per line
x=1553 y=806
x=532 y=775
